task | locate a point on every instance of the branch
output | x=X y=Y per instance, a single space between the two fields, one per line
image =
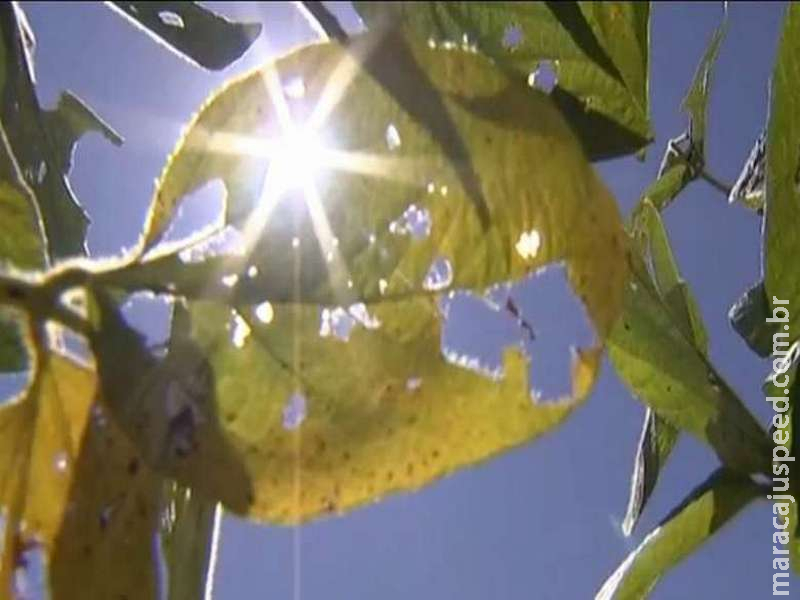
x=323 y=21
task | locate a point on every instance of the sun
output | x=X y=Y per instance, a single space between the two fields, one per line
x=298 y=158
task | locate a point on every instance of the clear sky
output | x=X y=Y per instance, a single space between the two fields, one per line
x=542 y=521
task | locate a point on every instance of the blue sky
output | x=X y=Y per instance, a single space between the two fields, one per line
x=541 y=521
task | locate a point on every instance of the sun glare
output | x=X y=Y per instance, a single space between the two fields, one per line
x=298 y=158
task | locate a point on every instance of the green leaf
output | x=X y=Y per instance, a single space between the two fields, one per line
x=782 y=219
x=658 y=349
x=696 y=101
x=42 y=142
x=596 y=93
x=189 y=538
x=197 y=34
x=701 y=515
x=13 y=354
x=658 y=434
x=749 y=319
x=67 y=123
x=655 y=445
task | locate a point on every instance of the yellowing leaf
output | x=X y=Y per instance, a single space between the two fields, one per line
x=384 y=411
x=504 y=188
x=106 y=541
x=68 y=490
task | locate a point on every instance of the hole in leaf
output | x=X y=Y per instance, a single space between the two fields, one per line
x=29 y=571
x=413 y=384
x=231 y=280
x=528 y=244
x=338 y=322
x=239 y=329
x=392 y=137
x=170 y=18
x=414 y=221
x=544 y=78
x=264 y=312
x=150 y=315
x=512 y=37
x=546 y=301
x=61 y=461
x=440 y=275
x=294 y=411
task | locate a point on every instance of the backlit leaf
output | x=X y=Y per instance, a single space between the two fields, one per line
x=506 y=190
x=782 y=219
x=700 y=516
x=599 y=53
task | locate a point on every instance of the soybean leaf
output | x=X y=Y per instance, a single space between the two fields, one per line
x=166 y=407
x=42 y=141
x=188 y=538
x=407 y=416
x=749 y=319
x=696 y=101
x=656 y=352
x=22 y=247
x=655 y=445
x=67 y=489
x=601 y=74
x=659 y=435
x=13 y=355
x=782 y=219
x=463 y=114
x=701 y=515
x=106 y=542
x=197 y=34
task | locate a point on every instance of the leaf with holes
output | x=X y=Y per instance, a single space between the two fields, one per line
x=409 y=200
x=460 y=117
x=602 y=79
x=782 y=219
x=700 y=516
x=195 y=33
x=68 y=490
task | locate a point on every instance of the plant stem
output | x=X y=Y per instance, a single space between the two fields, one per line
x=715 y=183
x=323 y=20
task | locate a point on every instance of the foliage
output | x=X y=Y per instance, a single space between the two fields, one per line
x=254 y=402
